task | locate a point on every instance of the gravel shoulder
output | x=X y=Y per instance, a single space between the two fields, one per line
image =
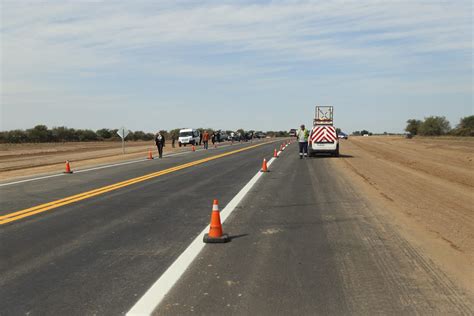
x=425 y=187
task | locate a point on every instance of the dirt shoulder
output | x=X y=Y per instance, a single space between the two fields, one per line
x=425 y=187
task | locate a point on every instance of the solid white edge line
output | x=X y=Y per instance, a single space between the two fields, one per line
x=155 y=294
x=34 y=179
x=110 y=166
x=107 y=166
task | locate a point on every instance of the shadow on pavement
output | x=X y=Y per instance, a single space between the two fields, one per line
x=232 y=237
x=330 y=156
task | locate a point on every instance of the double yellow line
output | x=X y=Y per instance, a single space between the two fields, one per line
x=11 y=217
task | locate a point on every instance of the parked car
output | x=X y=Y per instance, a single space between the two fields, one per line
x=292 y=132
x=248 y=136
x=342 y=135
x=221 y=136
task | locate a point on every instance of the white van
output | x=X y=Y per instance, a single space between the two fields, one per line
x=188 y=136
x=323 y=139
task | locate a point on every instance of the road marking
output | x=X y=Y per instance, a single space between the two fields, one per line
x=14 y=216
x=34 y=179
x=155 y=294
x=109 y=166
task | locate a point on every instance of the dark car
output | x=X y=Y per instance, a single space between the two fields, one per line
x=342 y=135
x=292 y=132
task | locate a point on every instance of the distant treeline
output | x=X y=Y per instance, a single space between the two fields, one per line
x=43 y=134
x=439 y=126
x=433 y=126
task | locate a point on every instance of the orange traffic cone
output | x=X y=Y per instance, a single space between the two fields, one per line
x=215 y=229
x=150 y=155
x=264 y=166
x=68 y=167
x=275 y=154
x=194 y=148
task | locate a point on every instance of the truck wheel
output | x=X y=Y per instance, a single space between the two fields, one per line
x=179 y=144
x=337 y=152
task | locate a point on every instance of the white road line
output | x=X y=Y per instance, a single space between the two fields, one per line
x=155 y=294
x=34 y=179
x=107 y=166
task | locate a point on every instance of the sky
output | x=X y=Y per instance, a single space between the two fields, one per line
x=264 y=65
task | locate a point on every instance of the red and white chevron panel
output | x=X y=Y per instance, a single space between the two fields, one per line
x=323 y=134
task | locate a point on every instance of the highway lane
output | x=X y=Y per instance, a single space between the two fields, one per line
x=311 y=245
x=99 y=255
x=23 y=195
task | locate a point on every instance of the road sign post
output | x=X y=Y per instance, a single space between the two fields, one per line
x=123 y=132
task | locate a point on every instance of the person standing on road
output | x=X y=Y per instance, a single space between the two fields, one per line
x=160 y=143
x=302 y=135
x=205 y=139
x=200 y=138
x=213 y=138
x=173 y=140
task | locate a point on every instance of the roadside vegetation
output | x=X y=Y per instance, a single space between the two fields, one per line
x=43 y=134
x=440 y=126
x=432 y=126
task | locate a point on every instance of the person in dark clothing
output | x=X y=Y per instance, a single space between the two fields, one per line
x=160 y=143
x=213 y=138
x=200 y=139
x=173 y=140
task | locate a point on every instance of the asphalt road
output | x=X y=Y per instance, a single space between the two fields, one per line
x=311 y=245
x=99 y=255
x=304 y=243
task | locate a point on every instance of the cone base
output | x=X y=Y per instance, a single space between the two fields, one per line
x=216 y=240
x=68 y=172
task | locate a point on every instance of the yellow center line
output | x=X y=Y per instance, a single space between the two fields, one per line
x=14 y=216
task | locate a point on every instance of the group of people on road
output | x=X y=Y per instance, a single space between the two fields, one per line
x=203 y=140
x=302 y=136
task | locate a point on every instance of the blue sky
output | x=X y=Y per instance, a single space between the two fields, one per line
x=261 y=65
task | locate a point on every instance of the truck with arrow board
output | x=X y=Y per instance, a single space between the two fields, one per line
x=323 y=137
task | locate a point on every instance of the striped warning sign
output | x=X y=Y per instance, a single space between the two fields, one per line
x=323 y=134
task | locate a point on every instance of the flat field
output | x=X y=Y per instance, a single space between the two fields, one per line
x=425 y=186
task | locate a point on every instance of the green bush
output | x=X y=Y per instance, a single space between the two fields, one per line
x=465 y=127
x=434 y=126
x=413 y=126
